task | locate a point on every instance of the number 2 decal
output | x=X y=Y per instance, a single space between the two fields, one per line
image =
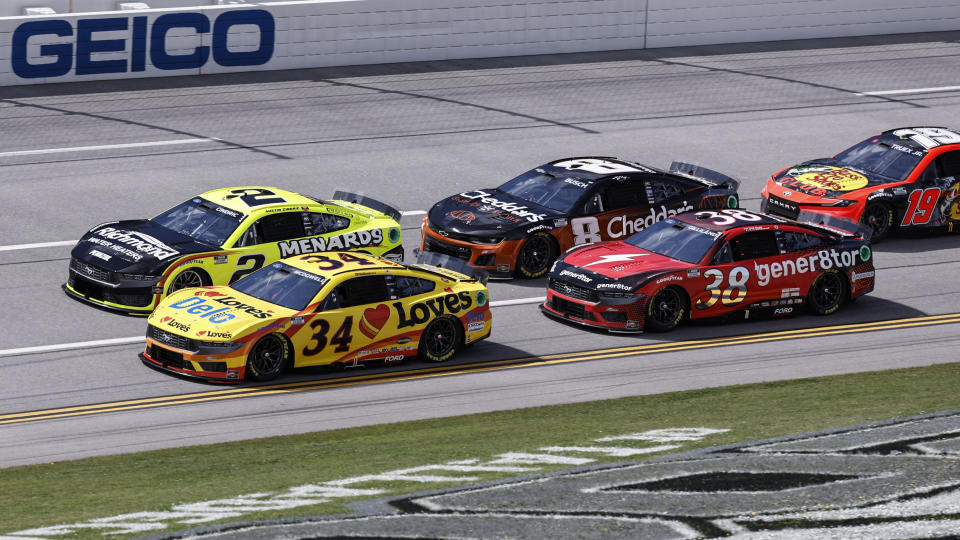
x=735 y=292
x=257 y=196
x=257 y=258
x=922 y=202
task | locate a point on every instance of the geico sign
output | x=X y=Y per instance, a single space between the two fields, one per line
x=146 y=42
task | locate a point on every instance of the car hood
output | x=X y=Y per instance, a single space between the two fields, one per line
x=822 y=178
x=136 y=246
x=597 y=266
x=487 y=212
x=218 y=313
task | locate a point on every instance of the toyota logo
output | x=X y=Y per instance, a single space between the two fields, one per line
x=443 y=233
x=787 y=193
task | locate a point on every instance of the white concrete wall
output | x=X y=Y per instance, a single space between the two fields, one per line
x=317 y=33
x=673 y=23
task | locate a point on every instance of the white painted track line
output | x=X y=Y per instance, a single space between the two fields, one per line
x=910 y=91
x=69 y=346
x=138 y=339
x=40 y=245
x=107 y=147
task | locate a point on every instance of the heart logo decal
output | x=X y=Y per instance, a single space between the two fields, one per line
x=202 y=332
x=373 y=320
x=165 y=319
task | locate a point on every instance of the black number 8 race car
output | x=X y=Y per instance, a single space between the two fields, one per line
x=521 y=227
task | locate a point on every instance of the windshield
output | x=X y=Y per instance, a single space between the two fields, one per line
x=556 y=193
x=282 y=285
x=885 y=158
x=201 y=220
x=676 y=240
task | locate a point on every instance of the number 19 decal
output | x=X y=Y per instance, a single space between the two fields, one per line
x=735 y=292
x=922 y=202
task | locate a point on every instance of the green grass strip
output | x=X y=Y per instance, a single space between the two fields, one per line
x=69 y=492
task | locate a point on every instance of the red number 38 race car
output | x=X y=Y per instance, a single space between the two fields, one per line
x=709 y=264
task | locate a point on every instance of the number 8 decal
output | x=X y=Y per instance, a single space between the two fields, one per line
x=585 y=230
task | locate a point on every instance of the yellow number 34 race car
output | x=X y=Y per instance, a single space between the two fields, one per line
x=217 y=238
x=312 y=310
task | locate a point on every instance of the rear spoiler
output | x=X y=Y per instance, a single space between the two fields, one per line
x=703 y=173
x=370 y=203
x=835 y=225
x=434 y=262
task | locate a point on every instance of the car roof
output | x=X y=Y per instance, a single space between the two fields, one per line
x=705 y=219
x=908 y=138
x=227 y=198
x=312 y=263
x=592 y=167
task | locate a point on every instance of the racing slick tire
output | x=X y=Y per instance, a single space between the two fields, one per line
x=267 y=358
x=878 y=217
x=188 y=278
x=666 y=309
x=536 y=255
x=827 y=293
x=440 y=340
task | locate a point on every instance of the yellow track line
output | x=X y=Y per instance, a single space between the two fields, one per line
x=562 y=358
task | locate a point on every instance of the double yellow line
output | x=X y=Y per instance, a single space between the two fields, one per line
x=443 y=371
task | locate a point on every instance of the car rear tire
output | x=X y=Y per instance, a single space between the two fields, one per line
x=827 y=293
x=878 y=218
x=268 y=358
x=666 y=309
x=188 y=278
x=440 y=340
x=536 y=255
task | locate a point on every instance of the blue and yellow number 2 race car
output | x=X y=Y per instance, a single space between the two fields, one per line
x=219 y=237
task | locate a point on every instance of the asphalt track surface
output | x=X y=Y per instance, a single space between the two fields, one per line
x=72 y=156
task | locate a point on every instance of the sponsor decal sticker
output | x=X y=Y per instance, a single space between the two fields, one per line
x=582 y=277
x=220 y=259
x=614 y=285
x=423 y=311
x=491 y=203
x=144 y=244
x=476 y=326
x=465 y=216
x=373 y=320
x=821 y=179
x=624 y=226
x=822 y=260
x=633 y=325
x=345 y=241
x=674 y=277
x=864 y=275
x=100 y=255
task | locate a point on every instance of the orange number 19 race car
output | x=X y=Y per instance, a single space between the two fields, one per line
x=320 y=309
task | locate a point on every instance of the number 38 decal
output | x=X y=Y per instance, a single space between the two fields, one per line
x=728 y=216
x=734 y=293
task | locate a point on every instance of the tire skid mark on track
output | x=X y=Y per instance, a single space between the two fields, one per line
x=480 y=367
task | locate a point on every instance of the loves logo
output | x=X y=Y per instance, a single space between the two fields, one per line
x=208 y=293
x=373 y=320
x=465 y=216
